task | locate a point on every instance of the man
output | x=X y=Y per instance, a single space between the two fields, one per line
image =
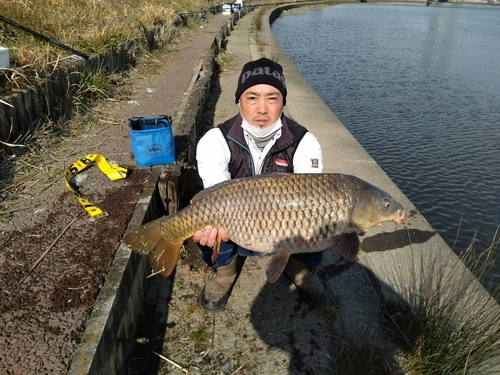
x=260 y=139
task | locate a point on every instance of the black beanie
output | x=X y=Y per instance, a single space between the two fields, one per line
x=262 y=71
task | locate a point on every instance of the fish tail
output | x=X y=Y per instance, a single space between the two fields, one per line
x=149 y=239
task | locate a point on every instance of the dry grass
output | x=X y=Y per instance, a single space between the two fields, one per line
x=257 y=26
x=35 y=165
x=448 y=324
x=351 y=358
x=31 y=163
x=89 y=26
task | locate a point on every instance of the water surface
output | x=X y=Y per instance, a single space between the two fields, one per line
x=419 y=88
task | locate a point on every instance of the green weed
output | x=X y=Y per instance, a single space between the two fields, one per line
x=200 y=337
x=350 y=358
x=91 y=86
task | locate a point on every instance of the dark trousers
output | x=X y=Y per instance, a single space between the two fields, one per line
x=229 y=249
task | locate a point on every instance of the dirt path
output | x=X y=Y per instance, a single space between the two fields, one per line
x=43 y=315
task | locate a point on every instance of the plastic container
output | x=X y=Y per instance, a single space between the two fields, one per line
x=4 y=57
x=152 y=140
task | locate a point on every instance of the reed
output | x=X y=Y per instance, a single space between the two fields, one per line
x=448 y=323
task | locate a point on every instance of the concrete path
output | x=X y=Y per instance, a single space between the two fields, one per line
x=162 y=92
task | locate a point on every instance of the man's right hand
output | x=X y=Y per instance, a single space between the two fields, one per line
x=208 y=236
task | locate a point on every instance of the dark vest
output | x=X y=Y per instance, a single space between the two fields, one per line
x=278 y=159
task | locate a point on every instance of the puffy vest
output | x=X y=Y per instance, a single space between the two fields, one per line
x=278 y=159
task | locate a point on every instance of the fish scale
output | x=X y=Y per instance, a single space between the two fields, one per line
x=274 y=213
x=302 y=220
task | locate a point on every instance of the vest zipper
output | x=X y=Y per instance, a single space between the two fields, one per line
x=266 y=163
x=247 y=150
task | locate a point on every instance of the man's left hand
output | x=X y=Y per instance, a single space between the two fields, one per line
x=208 y=236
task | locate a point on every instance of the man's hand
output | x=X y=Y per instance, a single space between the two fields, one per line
x=208 y=236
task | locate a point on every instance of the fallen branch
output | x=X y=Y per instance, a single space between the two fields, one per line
x=186 y=371
x=4 y=102
x=46 y=251
x=155 y=273
x=238 y=369
x=7 y=239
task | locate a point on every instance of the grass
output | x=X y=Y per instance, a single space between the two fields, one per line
x=257 y=26
x=92 y=85
x=89 y=26
x=200 y=338
x=30 y=163
x=448 y=324
x=35 y=165
x=350 y=358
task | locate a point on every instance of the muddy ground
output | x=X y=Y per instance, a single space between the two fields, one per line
x=43 y=315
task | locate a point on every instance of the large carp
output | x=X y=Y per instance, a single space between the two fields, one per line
x=282 y=213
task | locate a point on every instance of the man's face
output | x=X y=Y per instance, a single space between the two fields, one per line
x=261 y=105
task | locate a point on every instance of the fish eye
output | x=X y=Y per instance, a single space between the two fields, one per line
x=387 y=204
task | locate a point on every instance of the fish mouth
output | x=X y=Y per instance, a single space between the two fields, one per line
x=360 y=232
x=400 y=218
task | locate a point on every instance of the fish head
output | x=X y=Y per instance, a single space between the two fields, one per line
x=373 y=206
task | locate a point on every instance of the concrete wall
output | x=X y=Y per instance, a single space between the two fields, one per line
x=102 y=348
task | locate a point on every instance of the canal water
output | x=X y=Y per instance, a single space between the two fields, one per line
x=419 y=88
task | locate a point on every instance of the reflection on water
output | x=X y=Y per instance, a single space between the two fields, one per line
x=419 y=87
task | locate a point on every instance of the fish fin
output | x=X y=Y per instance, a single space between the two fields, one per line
x=149 y=239
x=276 y=265
x=143 y=239
x=165 y=256
x=216 y=248
x=347 y=244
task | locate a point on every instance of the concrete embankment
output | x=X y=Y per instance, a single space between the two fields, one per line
x=265 y=328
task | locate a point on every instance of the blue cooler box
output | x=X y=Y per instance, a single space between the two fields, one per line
x=152 y=140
